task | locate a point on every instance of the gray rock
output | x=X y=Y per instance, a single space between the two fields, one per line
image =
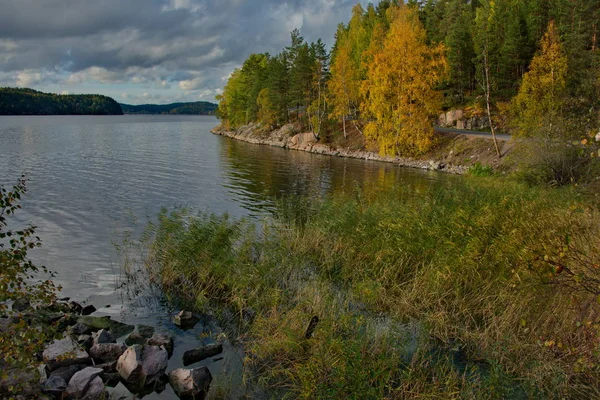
x=142 y=365
x=108 y=367
x=96 y=323
x=107 y=352
x=185 y=319
x=192 y=383
x=134 y=338
x=81 y=329
x=201 y=353
x=145 y=331
x=95 y=390
x=20 y=305
x=79 y=383
x=85 y=341
x=103 y=336
x=160 y=339
x=55 y=386
x=87 y=310
x=63 y=353
x=66 y=373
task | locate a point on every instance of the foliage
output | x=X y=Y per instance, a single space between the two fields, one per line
x=401 y=87
x=540 y=103
x=16 y=101
x=480 y=170
x=195 y=108
x=419 y=293
x=20 y=341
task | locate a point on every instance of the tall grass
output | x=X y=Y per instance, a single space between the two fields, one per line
x=449 y=291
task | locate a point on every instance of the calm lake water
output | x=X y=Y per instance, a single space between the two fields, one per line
x=93 y=178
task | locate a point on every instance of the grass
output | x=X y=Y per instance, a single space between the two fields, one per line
x=481 y=288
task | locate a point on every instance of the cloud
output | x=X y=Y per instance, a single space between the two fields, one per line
x=179 y=47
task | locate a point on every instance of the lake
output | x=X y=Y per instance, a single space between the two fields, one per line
x=92 y=178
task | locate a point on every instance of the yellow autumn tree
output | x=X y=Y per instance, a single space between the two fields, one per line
x=539 y=104
x=400 y=86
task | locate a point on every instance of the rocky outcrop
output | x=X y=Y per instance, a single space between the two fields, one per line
x=463 y=119
x=287 y=137
x=191 y=383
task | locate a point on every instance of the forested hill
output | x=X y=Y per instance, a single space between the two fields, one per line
x=17 y=101
x=196 y=108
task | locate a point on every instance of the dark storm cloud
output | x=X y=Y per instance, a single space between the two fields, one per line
x=194 y=43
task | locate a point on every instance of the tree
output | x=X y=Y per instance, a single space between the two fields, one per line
x=541 y=99
x=401 y=84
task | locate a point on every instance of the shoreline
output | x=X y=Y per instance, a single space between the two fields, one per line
x=287 y=138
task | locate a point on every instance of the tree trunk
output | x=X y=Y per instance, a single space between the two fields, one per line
x=488 y=89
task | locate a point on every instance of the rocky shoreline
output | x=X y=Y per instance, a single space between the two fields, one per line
x=95 y=354
x=288 y=138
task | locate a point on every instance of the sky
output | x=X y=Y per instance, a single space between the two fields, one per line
x=150 y=51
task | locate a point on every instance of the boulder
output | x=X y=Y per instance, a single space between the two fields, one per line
x=66 y=373
x=145 y=331
x=81 y=329
x=87 y=310
x=160 y=339
x=201 y=353
x=107 y=352
x=119 y=329
x=55 y=386
x=134 y=338
x=80 y=382
x=96 y=323
x=63 y=353
x=103 y=336
x=20 y=305
x=192 y=383
x=142 y=365
x=185 y=320
x=95 y=390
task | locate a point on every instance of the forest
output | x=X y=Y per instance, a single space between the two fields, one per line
x=195 y=108
x=530 y=67
x=17 y=101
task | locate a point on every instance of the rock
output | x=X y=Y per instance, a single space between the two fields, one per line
x=201 y=353
x=66 y=373
x=85 y=341
x=119 y=329
x=55 y=386
x=63 y=353
x=96 y=323
x=185 y=320
x=108 y=367
x=145 y=331
x=159 y=339
x=107 y=352
x=81 y=329
x=434 y=165
x=79 y=383
x=103 y=336
x=87 y=310
x=21 y=305
x=95 y=390
x=112 y=379
x=142 y=365
x=192 y=383
x=134 y=338
x=75 y=307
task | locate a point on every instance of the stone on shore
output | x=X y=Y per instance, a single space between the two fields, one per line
x=107 y=352
x=142 y=365
x=117 y=329
x=185 y=320
x=95 y=390
x=145 y=331
x=134 y=338
x=87 y=310
x=63 y=353
x=55 y=386
x=201 y=353
x=103 y=336
x=80 y=382
x=160 y=339
x=192 y=383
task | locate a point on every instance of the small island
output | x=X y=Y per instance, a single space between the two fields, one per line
x=21 y=101
x=195 y=108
